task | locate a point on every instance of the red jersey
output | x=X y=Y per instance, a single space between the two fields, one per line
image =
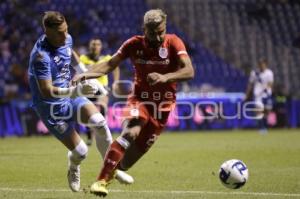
x=164 y=59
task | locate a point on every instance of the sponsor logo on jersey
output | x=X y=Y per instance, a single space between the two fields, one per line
x=152 y=62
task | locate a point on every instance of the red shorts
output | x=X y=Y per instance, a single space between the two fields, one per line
x=154 y=116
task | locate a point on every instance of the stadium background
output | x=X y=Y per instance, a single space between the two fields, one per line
x=225 y=39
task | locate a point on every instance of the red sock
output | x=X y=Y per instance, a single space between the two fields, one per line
x=111 y=160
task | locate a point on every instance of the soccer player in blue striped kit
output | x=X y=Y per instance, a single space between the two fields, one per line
x=60 y=104
x=260 y=86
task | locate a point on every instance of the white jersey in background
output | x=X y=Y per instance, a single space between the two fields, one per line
x=260 y=81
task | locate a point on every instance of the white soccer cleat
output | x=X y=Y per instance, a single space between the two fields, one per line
x=123 y=177
x=74 y=179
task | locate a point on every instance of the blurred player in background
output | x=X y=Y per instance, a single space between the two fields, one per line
x=58 y=104
x=160 y=60
x=260 y=88
x=94 y=57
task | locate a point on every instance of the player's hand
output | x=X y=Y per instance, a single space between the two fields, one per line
x=84 y=88
x=99 y=86
x=155 y=78
x=77 y=79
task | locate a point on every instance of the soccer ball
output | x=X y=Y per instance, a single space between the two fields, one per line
x=233 y=174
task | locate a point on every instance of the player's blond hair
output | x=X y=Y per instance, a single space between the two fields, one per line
x=53 y=19
x=154 y=17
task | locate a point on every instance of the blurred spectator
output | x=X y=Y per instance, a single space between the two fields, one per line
x=281 y=99
x=16 y=84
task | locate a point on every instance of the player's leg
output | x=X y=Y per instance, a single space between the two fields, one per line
x=90 y=116
x=89 y=138
x=64 y=131
x=262 y=111
x=147 y=137
x=137 y=116
x=90 y=132
x=115 y=154
x=259 y=113
x=76 y=154
x=131 y=156
x=117 y=149
x=101 y=103
x=268 y=104
x=145 y=140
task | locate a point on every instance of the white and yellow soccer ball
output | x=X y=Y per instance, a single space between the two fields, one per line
x=233 y=174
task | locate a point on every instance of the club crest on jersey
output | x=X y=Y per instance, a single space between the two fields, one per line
x=61 y=127
x=134 y=112
x=56 y=59
x=163 y=53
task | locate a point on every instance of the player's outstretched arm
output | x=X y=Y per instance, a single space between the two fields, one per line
x=185 y=72
x=248 y=91
x=47 y=90
x=81 y=68
x=116 y=74
x=100 y=69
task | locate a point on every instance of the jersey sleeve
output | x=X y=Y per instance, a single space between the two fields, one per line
x=270 y=77
x=41 y=66
x=252 y=77
x=70 y=40
x=179 y=46
x=125 y=48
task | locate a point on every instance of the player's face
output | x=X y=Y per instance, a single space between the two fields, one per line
x=155 y=34
x=95 y=47
x=262 y=65
x=57 y=36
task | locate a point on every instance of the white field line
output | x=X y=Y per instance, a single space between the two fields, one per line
x=161 y=191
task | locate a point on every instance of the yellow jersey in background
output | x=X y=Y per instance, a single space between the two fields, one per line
x=87 y=61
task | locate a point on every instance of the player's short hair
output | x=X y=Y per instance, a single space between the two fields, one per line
x=154 y=17
x=53 y=19
x=95 y=38
x=262 y=60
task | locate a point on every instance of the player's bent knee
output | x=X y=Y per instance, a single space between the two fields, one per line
x=124 y=142
x=99 y=124
x=97 y=121
x=80 y=152
x=131 y=133
x=130 y=136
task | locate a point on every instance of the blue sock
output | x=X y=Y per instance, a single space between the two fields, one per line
x=262 y=124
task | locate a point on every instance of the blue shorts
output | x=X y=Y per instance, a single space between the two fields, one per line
x=60 y=117
x=268 y=102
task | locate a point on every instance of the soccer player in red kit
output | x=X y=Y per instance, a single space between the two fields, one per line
x=160 y=60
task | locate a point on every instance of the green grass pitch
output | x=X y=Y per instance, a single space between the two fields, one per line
x=180 y=165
